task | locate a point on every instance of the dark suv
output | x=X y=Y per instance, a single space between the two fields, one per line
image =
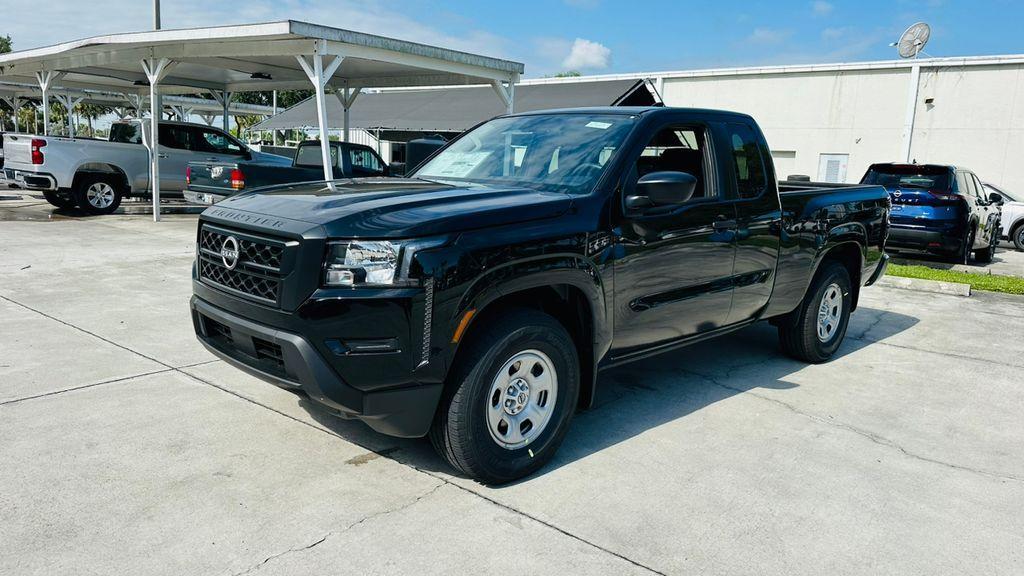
x=938 y=209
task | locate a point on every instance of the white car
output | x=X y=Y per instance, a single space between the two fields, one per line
x=1012 y=225
x=97 y=174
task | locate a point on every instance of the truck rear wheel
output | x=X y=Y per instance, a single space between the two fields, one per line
x=815 y=330
x=60 y=199
x=511 y=396
x=97 y=193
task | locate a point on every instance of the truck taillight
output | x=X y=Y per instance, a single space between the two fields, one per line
x=188 y=174
x=237 y=179
x=37 y=150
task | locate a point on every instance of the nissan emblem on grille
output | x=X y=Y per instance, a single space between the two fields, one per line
x=229 y=252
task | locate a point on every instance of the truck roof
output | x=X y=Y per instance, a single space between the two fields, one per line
x=635 y=110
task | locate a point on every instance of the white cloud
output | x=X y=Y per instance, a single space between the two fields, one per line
x=586 y=54
x=821 y=8
x=766 y=36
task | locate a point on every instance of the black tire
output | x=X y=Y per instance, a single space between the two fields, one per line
x=92 y=204
x=461 y=432
x=61 y=200
x=798 y=332
x=963 y=256
x=1018 y=236
x=986 y=255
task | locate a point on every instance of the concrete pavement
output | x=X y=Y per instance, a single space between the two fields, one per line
x=126 y=447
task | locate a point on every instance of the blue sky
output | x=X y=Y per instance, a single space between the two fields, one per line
x=593 y=36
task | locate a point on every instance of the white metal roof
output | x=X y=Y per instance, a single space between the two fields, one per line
x=197 y=105
x=241 y=58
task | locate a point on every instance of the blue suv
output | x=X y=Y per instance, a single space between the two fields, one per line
x=939 y=209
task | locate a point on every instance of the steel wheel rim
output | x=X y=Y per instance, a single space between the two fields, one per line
x=830 y=311
x=100 y=195
x=1020 y=236
x=521 y=399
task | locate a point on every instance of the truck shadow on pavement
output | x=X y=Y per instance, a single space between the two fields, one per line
x=643 y=395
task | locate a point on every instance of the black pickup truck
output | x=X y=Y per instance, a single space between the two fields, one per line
x=211 y=181
x=477 y=300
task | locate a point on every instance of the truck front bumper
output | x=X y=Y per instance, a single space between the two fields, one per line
x=291 y=361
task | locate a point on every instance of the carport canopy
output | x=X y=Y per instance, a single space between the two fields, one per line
x=16 y=95
x=455 y=109
x=253 y=57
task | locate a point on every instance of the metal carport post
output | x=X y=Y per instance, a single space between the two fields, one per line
x=155 y=70
x=319 y=76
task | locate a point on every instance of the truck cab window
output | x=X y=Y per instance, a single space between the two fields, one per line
x=365 y=160
x=177 y=137
x=125 y=133
x=676 y=149
x=748 y=164
x=310 y=156
x=218 y=143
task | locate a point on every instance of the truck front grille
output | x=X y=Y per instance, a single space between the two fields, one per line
x=257 y=272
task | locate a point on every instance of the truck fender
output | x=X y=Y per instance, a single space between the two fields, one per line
x=104 y=168
x=547 y=271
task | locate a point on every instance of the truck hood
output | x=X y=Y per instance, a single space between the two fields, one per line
x=399 y=207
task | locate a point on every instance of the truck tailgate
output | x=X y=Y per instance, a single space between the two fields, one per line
x=17 y=150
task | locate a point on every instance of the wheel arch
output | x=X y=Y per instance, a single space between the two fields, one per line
x=573 y=295
x=850 y=252
x=102 y=168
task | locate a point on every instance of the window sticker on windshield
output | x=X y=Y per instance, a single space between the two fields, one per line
x=456 y=164
x=599 y=125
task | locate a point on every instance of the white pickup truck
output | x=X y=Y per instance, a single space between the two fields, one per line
x=96 y=174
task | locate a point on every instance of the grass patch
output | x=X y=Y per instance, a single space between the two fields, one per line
x=987 y=282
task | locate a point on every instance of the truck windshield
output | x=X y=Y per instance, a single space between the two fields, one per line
x=910 y=176
x=561 y=152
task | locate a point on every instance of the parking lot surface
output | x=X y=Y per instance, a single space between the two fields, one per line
x=127 y=448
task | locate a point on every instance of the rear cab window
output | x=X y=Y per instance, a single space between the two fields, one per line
x=310 y=157
x=125 y=133
x=751 y=176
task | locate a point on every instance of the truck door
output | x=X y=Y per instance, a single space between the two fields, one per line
x=212 y=145
x=758 y=217
x=672 y=275
x=175 y=153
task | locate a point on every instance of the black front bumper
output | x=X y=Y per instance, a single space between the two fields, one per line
x=291 y=361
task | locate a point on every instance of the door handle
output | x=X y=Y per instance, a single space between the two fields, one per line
x=211 y=159
x=161 y=155
x=721 y=225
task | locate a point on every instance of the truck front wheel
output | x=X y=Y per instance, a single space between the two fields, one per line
x=815 y=330
x=97 y=193
x=510 y=398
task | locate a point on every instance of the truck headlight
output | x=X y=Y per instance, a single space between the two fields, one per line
x=357 y=262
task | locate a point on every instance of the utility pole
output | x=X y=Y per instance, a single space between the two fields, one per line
x=156 y=14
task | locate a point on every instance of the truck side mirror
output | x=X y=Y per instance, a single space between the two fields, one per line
x=995 y=198
x=662 y=189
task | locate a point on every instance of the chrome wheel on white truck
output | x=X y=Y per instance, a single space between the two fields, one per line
x=97 y=193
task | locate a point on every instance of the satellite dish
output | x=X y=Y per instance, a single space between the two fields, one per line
x=912 y=42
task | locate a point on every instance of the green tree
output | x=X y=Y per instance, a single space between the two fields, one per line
x=5 y=44
x=92 y=112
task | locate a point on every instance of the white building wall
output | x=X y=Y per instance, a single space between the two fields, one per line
x=976 y=118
